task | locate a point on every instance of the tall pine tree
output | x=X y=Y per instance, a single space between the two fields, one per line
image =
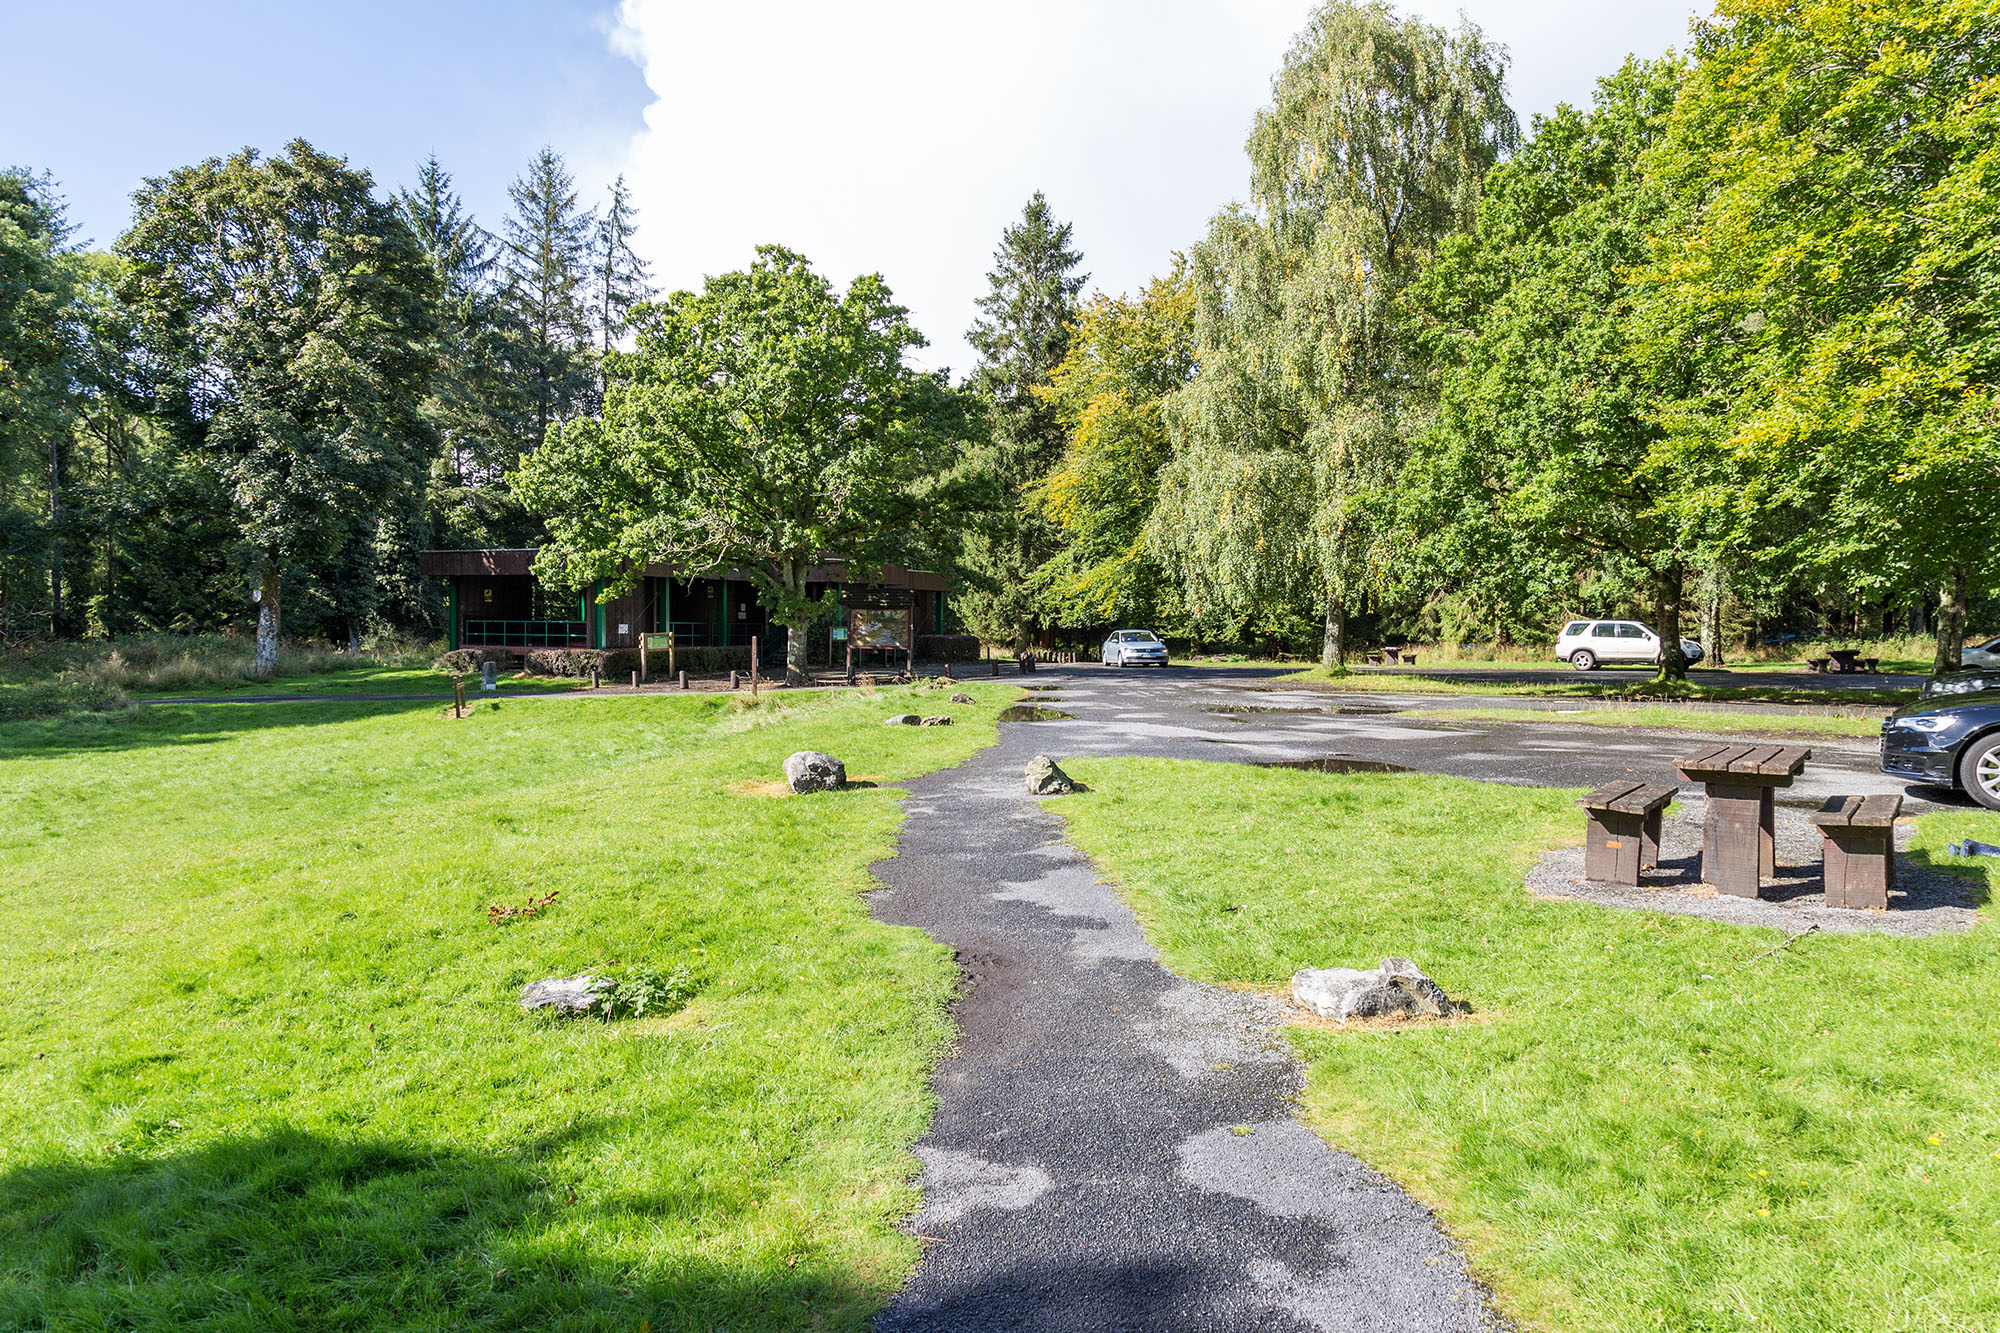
x=620 y=279
x=479 y=399
x=547 y=262
x=1021 y=337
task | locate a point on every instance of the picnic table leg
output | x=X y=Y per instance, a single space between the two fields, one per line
x=1767 y=835
x=1613 y=847
x=1649 y=841
x=1860 y=866
x=1732 y=838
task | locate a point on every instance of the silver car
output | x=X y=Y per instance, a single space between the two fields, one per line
x=1134 y=647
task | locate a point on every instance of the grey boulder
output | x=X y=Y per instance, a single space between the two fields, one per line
x=902 y=720
x=1045 y=779
x=576 y=994
x=1399 y=986
x=937 y=720
x=963 y=699
x=809 y=770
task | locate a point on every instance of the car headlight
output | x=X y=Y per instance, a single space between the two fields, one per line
x=1934 y=722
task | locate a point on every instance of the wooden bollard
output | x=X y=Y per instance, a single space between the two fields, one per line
x=635 y=680
x=684 y=680
x=735 y=680
x=996 y=666
x=593 y=678
x=458 y=696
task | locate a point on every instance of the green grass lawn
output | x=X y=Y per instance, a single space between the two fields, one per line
x=367 y=680
x=1667 y=717
x=1650 y=1122
x=1633 y=685
x=263 y=1066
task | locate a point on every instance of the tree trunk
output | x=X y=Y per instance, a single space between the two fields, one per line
x=1712 y=584
x=1333 y=643
x=797 y=639
x=55 y=537
x=1673 y=665
x=1950 y=624
x=267 y=622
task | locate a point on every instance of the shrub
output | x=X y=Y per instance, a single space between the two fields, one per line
x=646 y=990
x=563 y=661
x=464 y=661
x=948 y=647
x=51 y=698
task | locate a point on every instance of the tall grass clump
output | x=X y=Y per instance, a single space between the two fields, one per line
x=153 y=662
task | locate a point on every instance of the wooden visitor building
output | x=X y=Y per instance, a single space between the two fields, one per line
x=494 y=601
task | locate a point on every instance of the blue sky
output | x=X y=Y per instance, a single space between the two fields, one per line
x=897 y=136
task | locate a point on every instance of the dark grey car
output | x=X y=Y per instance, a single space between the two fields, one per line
x=1950 y=737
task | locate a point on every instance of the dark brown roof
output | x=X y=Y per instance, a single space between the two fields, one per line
x=521 y=560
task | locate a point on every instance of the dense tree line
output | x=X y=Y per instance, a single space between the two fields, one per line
x=1718 y=347
x=279 y=384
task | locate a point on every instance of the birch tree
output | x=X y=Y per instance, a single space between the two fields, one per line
x=1371 y=152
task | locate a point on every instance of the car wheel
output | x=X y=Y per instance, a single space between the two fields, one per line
x=1583 y=660
x=1979 y=771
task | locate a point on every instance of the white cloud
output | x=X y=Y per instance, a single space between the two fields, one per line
x=901 y=136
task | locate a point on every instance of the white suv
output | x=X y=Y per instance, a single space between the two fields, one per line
x=1584 y=644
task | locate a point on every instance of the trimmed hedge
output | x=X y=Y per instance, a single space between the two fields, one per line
x=948 y=647
x=465 y=661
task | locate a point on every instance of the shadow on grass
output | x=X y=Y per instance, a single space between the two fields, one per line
x=169 y=724
x=291 y=1230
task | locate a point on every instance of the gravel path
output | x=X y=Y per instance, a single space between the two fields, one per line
x=1114 y=1146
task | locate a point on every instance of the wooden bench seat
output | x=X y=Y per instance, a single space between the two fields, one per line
x=1859 y=833
x=1622 y=830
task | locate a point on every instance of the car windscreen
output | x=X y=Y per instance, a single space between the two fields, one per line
x=1138 y=636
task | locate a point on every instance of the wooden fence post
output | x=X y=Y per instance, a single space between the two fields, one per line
x=671 y=668
x=645 y=670
x=458 y=696
x=753 y=666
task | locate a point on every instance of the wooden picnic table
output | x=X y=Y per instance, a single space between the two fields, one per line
x=1738 y=837
x=1844 y=660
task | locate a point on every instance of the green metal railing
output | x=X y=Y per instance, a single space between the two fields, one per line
x=526 y=634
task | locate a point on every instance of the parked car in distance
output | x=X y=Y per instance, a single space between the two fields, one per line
x=1982 y=655
x=1588 y=644
x=1951 y=738
x=1134 y=647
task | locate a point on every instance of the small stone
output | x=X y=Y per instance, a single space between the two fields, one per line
x=1399 y=986
x=937 y=720
x=963 y=699
x=809 y=771
x=902 y=720
x=576 y=994
x=1045 y=779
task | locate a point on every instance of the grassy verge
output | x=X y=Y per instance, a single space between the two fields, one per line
x=1632 y=686
x=1664 y=1123
x=353 y=680
x=263 y=1066
x=1667 y=717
